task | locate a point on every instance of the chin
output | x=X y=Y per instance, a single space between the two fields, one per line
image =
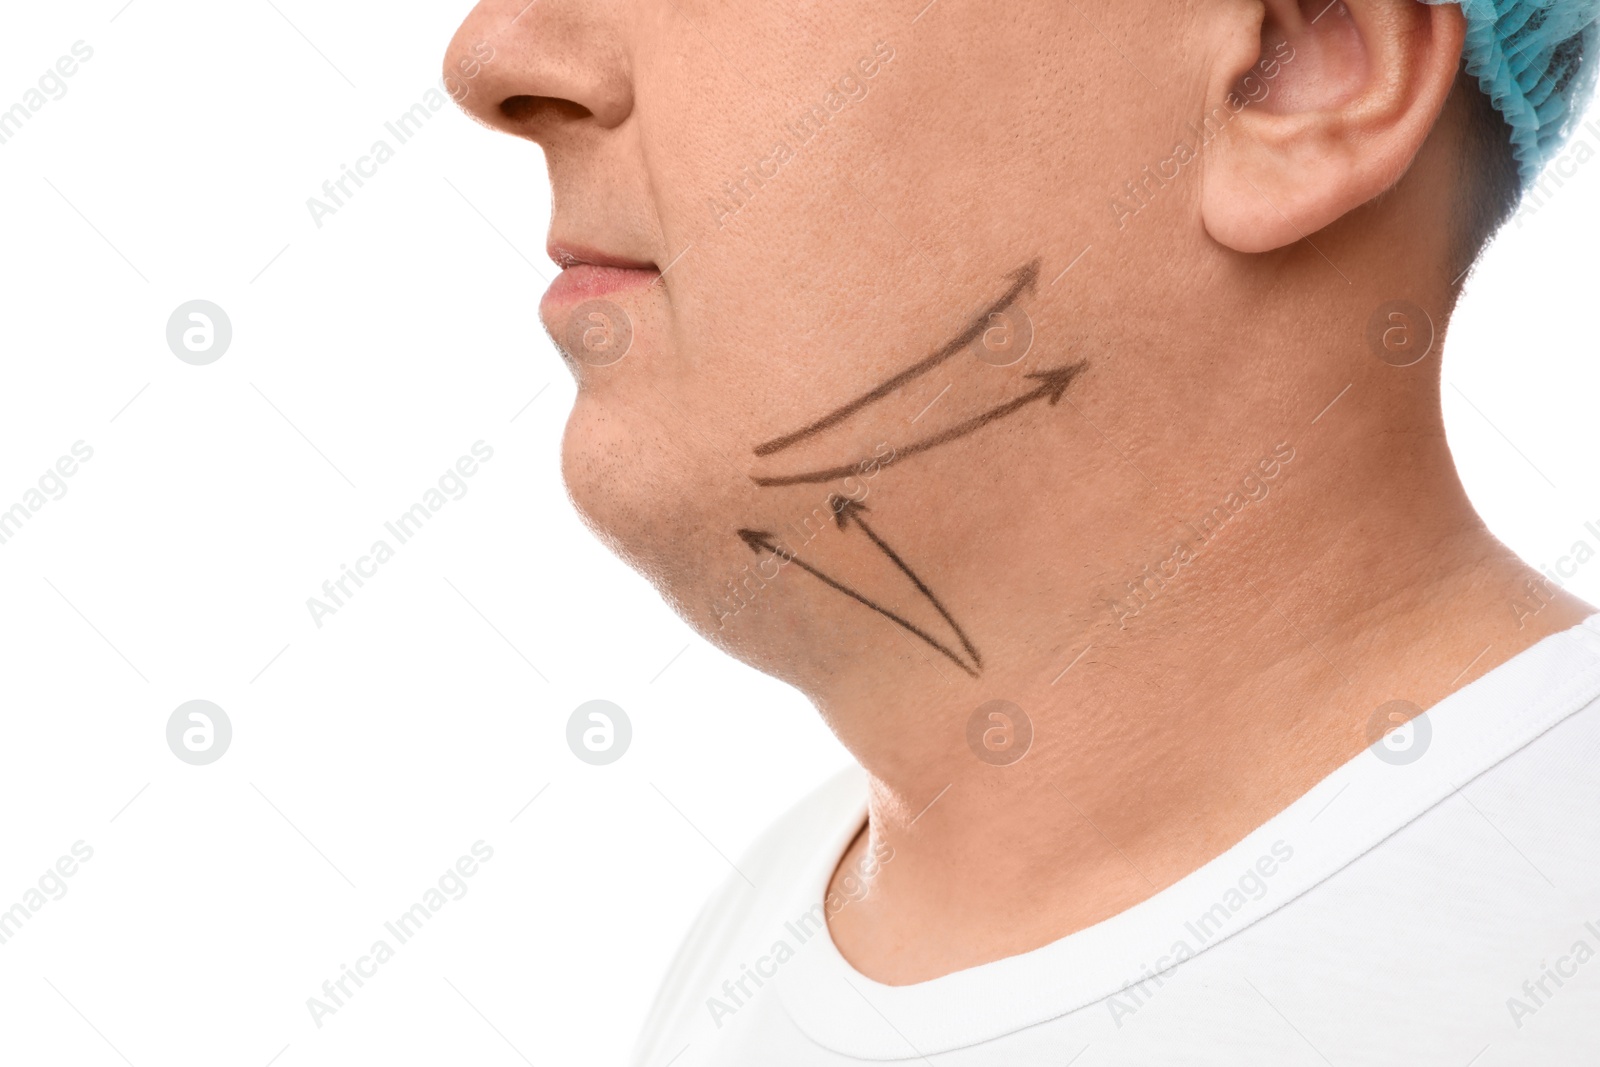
x=659 y=501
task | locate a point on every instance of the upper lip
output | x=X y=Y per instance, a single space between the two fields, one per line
x=566 y=254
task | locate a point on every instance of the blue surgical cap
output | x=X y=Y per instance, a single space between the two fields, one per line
x=1535 y=61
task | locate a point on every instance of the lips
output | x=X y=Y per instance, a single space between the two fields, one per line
x=588 y=274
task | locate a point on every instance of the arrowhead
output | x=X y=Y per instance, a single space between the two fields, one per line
x=1053 y=383
x=844 y=509
x=1026 y=275
x=758 y=541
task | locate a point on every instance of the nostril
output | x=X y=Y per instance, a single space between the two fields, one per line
x=526 y=109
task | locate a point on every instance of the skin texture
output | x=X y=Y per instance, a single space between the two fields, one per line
x=1218 y=342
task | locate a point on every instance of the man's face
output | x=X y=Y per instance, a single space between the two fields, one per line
x=879 y=259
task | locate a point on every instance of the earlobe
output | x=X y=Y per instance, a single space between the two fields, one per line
x=1338 y=99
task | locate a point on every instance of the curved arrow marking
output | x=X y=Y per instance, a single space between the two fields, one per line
x=760 y=541
x=847 y=511
x=1022 y=280
x=1052 y=386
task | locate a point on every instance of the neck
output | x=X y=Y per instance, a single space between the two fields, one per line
x=1177 y=699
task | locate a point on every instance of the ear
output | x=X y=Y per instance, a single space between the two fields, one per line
x=1321 y=107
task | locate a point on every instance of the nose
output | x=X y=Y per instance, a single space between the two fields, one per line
x=539 y=69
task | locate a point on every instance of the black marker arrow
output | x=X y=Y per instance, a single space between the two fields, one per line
x=761 y=541
x=1023 y=280
x=846 y=512
x=1052 y=386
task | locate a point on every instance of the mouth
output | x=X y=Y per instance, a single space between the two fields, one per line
x=589 y=274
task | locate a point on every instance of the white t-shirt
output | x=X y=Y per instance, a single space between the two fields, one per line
x=1436 y=900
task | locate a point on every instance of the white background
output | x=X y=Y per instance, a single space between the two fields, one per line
x=370 y=754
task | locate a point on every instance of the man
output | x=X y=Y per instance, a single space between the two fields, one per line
x=1050 y=390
